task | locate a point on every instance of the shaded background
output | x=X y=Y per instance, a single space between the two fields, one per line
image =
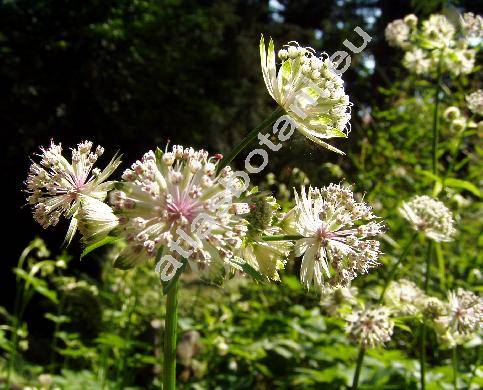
x=132 y=74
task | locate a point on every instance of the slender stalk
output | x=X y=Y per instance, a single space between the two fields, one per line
x=436 y=116
x=357 y=373
x=422 y=352
x=393 y=270
x=19 y=295
x=282 y=237
x=422 y=356
x=171 y=320
x=250 y=137
x=454 y=359
x=53 y=349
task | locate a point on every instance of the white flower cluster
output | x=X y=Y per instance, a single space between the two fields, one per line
x=176 y=201
x=309 y=91
x=472 y=24
x=403 y=297
x=455 y=321
x=429 y=216
x=58 y=187
x=462 y=317
x=335 y=230
x=437 y=39
x=397 y=33
x=370 y=328
x=475 y=102
x=339 y=300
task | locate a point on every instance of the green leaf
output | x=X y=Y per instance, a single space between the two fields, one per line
x=124 y=262
x=98 y=244
x=247 y=268
x=429 y=175
x=39 y=285
x=463 y=184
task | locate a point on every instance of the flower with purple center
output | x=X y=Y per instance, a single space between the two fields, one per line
x=57 y=187
x=176 y=202
x=462 y=319
x=370 y=328
x=335 y=229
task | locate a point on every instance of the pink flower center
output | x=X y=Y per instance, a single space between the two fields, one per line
x=184 y=209
x=324 y=234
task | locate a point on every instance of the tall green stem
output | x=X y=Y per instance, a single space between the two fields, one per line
x=422 y=352
x=357 y=373
x=393 y=270
x=436 y=117
x=455 y=368
x=250 y=137
x=171 y=321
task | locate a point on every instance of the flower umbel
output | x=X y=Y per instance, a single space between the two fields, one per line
x=176 y=201
x=336 y=229
x=438 y=42
x=463 y=317
x=370 y=328
x=339 y=300
x=475 y=102
x=429 y=216
x=58 y=187
x=309 y=90
x=402 y=297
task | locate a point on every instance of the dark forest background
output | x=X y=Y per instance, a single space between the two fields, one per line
x=133 y=74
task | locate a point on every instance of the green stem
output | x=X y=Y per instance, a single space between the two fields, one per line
x=250 y=137
x=436 y=117
x=393 y=270
x=357 y=373
x=19 y=294
x=171 y=319
x=282 y=237
x=422 y=353
x=422 y=356
x=455 y=368
x=53 y=350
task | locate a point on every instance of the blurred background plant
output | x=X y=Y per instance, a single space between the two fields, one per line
x=132 y=74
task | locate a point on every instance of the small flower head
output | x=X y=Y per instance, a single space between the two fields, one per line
x=458 y=125
x=337 y=231
x=475 y=102
x=429 y=216
x=430 y=307
x=472 y=25
x=336 y=301
x=401 y=296
x=177 y=201
x=370 y=328
x=411 y=20
x=451 y=113
x=310 y=91
x=417 y=61
x=267 y=257
x=439 y=31
x=397 y=33
x=58 y=187
x=462 y=318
